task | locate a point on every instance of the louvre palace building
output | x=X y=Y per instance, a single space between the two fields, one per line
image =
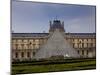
x=29 y=46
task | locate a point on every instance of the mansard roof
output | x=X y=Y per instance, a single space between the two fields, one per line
x=46 y=34
x=81 y=33
x=29 y=34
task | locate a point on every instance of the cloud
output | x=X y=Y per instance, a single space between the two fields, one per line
x=82 y=24
x=34 y=17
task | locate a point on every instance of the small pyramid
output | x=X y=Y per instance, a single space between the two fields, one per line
x=56 y=45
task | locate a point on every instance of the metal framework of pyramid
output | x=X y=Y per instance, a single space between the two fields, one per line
x=56 y=45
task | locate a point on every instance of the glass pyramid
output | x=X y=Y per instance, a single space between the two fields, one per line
x=56 y=45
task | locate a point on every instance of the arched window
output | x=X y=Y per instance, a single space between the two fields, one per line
x=37 y=41
x=85 y=43
x=28 y=54
x=16 y=54
x=19 y=42
x=30 y=41
x=33 y=53
x=87 y=52
x=19 y=46
x=78 y=51
x=75 y=45
x=82 y=52
x=25 y=46
x=31 y=45
x=22 y=54
x=80 y=43
x=14 y=42
x=25 y=42
x=37 y=46
x=75 y=41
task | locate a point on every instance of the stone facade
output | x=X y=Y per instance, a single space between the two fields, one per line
x=25 y=45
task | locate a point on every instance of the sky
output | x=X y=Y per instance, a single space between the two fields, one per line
x=34 y=17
